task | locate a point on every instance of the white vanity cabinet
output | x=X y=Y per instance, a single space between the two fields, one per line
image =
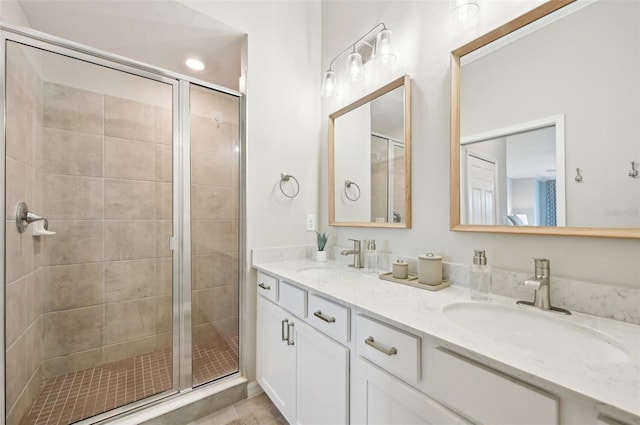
x=388 y=359
x=322 y=362
x=276 y=356
x=303 y=371
x=381 y=398
x=485 y=395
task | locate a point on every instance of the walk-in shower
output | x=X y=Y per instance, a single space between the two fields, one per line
x=132 y=295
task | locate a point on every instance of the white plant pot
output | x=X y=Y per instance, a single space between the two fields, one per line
x=321 y=256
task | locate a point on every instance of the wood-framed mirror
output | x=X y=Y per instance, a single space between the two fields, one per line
x=544 y=123
x=370 y=159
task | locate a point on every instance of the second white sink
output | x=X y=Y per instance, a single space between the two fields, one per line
x=329 y=273
x=535 y=331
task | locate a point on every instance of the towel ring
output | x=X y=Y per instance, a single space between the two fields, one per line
x=347 y=185
x=284 y=177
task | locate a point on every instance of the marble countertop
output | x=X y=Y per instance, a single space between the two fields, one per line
x=610 y=384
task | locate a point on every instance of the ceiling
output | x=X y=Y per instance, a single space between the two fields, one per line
x=162 y=33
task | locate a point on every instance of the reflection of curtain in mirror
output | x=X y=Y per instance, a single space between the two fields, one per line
x=550 y=187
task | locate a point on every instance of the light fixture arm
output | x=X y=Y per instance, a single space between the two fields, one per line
x=352 y=47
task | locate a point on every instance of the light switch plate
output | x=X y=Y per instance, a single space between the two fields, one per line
x=311 y=222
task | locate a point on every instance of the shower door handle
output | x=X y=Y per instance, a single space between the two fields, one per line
x=282 y=329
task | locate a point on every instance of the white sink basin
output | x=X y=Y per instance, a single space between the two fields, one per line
x=329 y=273
x=540 y=332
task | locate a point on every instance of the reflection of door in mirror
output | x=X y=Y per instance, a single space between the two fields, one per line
x=479 y=198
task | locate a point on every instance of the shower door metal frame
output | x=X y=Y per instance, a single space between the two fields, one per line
x=180 y=242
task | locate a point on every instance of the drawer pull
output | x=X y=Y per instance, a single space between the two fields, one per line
x=320 y=315
x=389 y=351
x=283 y=327
x=290 y=334
x=263 y=286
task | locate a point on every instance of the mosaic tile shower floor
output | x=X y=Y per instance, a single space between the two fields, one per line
x=69 y=398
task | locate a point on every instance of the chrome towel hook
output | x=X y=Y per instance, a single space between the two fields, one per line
x=347 y=185
x=633 y=173
x=285 y=177
x=578 y=177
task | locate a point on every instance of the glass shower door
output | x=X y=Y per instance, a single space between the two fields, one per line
x=88 y=309
x=215 y=160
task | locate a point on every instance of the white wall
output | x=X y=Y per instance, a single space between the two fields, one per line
x=11 y=12
x=353 y=141
x=424 y=38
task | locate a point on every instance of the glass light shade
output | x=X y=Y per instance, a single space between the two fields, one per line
x=355 y=71
x=329 y=84
x=463 y=10
x=384 y=49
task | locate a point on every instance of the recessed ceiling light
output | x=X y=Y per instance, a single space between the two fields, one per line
x=194 y=64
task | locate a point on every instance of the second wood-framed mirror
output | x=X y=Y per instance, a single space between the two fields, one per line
x=544 y=134
x=370 y=159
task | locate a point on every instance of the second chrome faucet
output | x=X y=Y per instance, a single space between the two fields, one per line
x=541 y=283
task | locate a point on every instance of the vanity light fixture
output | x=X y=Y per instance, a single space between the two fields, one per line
x=382 y=53
x=463 y=10
x=194 y=64
x=355 y=69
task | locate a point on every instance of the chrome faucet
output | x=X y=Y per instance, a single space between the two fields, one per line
x=357 y=254
x=541 y=282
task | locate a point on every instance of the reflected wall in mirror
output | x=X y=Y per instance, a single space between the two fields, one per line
x=535 y=104
x=370 y=160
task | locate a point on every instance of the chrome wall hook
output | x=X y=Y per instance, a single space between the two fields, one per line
x=578 y=177
x=633 y=173
x=285 y=177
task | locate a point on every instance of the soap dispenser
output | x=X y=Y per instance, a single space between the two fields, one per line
x=480 y=277
x=371 y=257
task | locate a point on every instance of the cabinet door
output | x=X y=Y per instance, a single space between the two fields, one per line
x=275 y=359
x=322 y=379
x=382 y=399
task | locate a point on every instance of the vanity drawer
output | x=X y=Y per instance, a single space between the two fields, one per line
x=268 y=286
x=488 y=396
x=329 y=317
x=293 y=299
x=390 y=348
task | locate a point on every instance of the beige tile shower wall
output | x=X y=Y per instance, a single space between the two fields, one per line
x=107 y=184
x=214 y=210
x=24 y=259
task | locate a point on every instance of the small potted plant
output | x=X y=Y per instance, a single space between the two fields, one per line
x=321 y=254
